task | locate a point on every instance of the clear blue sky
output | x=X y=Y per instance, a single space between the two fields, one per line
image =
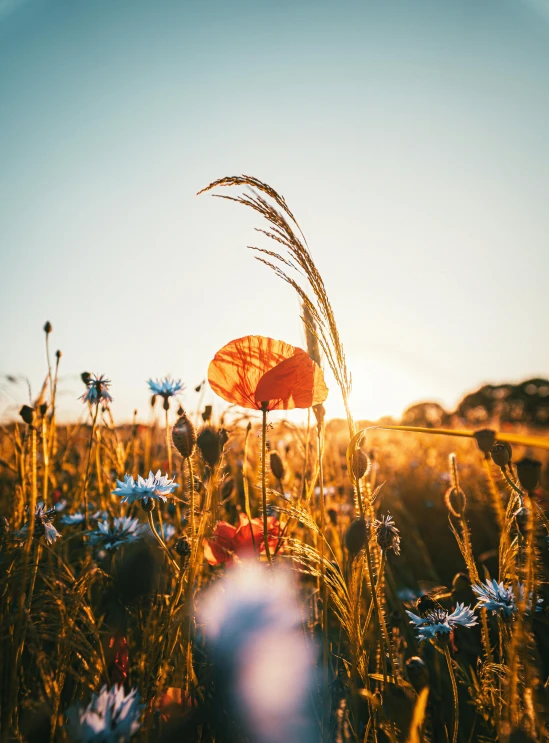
x=409 y=138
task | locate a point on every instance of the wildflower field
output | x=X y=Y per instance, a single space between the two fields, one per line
x=244 y=578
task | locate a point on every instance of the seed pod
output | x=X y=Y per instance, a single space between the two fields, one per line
x=360 y=464
x=48 y=328
x=485 y=438
x=43 y=409
x=27 y=414
x=418 y=673
x=85 y=377
x=356 y=535
x=180 y=411
x=184 y=436
x=501 y=453
x=183 y=547
x=529 y=473
x=207 y=414
x=58 y=354
x=209 y=443
x=277 y=468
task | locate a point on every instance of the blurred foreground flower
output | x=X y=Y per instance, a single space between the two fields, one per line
x=123 y=530
x=263 y=665
x=155 y=487
x=97 y=390
x=438 y=623
x=230 y=543
x=110 y=717
x=251 y=370
x=43 y=526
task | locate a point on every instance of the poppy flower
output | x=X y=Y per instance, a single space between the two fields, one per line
x=253 y=370
x=229 y=543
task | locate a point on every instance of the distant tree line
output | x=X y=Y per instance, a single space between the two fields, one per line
x=526 y=403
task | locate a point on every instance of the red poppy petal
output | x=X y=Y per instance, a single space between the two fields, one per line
x=296 y=382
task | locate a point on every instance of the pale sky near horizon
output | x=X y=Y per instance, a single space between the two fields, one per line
x=409 y=138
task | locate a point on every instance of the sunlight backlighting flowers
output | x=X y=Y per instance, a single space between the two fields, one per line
x=439 y=622
x=253 y=370
x=123 y=530
x=166 y=387
x=155 y=487
x=97 y=391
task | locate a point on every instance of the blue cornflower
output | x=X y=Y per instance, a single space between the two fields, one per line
x=500 y=599
x=123 y=530
x=155 y=487
x=166 y=387
x=168 y=530
x=97 y=391
x=439 y=622
x=110 y=717
x=74 y=519
x=43 y=526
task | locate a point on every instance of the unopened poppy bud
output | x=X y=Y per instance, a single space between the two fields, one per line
x=180 y=411
x=356 y=535
x=184 y=436
x=183 y=547
x=148 y=505
x=207 y=414
x=486 y=438
x=360 y=464
x=58 y=354
x=529 y=473
x=85 y=377
x=418 y=673
x=43 y=409
x=501 y=453
x=27 y=414
x=48 y=328
x=210 y=446
x=277 y=468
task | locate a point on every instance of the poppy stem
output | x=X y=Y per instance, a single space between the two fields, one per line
x=246 y=487
x=87 y=475
x=168 y=443
x=264 y=406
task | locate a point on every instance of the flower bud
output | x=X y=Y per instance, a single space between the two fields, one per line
x=148 y=505
x=418 y=673
x=58 y=354
x=485 y=438
x=27 y=414
x=277 y=468
x=356 y=535
x=184 y=436
x=501 y=453
x=207 y=414
x=210 y=446
x=48 y=328
x=85 y=377
x=360 y=464
x=180 y=411
x=43 y=409
x=529 y=473
x=183 y=548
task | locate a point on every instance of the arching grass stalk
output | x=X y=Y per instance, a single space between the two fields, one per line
x=191 y=497
x=455 y=726
x=34 y=485
x=264 y=406
x=319 y=413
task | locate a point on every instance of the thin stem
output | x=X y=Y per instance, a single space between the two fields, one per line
x=246 y=486
x=455 y=693
x=86 y=479
x=377 y=608
x=191 y=496
x=325 y=638
x=264 y=480
x=168 y=443
x=161 y=541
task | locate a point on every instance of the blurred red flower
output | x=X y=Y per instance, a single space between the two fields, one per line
x=229 y=543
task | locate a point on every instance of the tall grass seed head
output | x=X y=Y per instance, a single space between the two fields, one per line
x=360 y=464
